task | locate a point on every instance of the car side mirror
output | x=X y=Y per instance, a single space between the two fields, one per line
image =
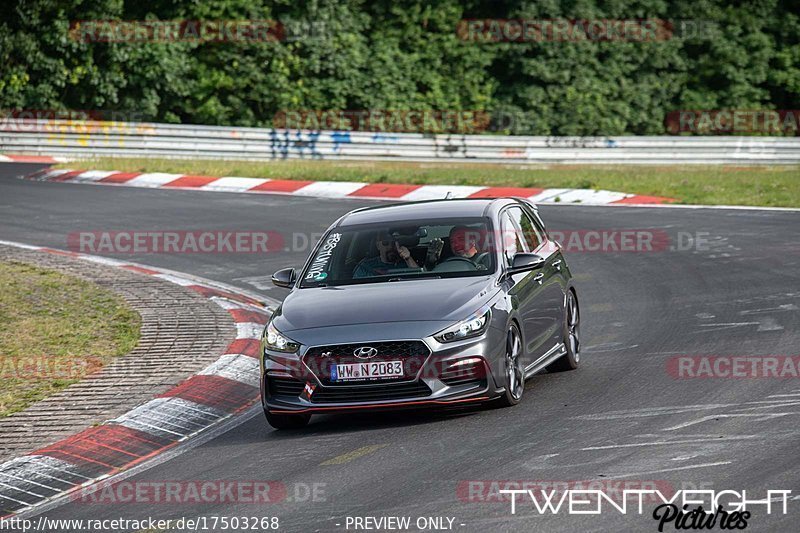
x=526 y=261
x=284 y=278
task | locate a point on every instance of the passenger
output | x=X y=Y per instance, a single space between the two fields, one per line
x=391 y=257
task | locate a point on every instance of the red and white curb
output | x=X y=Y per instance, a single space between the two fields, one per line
x=225 y=387
x=340 y=189
x=14 y=158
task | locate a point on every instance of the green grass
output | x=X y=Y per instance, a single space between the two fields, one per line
x=696 y=184
x=54 y=329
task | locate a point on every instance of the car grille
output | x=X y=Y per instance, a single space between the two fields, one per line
x=343 y=353
x=405 y=351
x=291 y=388
x=370 y=393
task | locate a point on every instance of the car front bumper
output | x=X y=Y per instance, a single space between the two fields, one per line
x=457 y=373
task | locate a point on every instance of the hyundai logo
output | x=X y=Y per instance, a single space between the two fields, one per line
x=365 y=352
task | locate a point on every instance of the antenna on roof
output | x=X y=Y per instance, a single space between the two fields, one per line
x=449 y=195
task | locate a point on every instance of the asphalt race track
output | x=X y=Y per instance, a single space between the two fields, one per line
x=620 y=417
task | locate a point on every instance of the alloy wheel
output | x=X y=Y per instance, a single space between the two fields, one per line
x=573 y=326
x=515 y=376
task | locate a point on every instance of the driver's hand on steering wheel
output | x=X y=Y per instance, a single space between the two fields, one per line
x=434 y=252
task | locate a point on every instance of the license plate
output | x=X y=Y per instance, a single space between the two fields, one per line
x=371 y=370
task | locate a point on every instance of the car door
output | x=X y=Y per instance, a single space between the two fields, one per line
x=528 y=290
x=554 y=281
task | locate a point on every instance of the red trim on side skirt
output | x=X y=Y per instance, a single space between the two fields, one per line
x=378 y=405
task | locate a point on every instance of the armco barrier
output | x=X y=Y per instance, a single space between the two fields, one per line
x=82 y=139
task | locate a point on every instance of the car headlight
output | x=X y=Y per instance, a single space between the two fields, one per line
x=275 y=340
x=471 y=327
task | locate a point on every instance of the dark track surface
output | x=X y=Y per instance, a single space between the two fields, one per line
x=614 y=418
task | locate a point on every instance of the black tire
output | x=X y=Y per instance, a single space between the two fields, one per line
x=572 y=337
x=513 y=373
x=287 y=421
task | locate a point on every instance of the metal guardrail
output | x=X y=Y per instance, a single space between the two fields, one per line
x=90 y=139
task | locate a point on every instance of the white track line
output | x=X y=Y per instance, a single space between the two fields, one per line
x=669 y=442
x=761 y=416
x=663 y=470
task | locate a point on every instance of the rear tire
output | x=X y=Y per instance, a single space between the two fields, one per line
x=513 y=372
x=287 y=421
x=572 y=337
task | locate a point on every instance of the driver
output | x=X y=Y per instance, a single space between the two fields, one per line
x=464 y=242
x=391 y=257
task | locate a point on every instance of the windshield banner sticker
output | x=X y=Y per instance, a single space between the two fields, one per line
x=316 y=271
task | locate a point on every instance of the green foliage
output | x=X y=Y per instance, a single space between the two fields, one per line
x=383 y=54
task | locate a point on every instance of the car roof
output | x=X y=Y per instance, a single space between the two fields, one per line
x=465 y=207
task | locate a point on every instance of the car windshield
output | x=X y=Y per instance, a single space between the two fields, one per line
x=388 y=252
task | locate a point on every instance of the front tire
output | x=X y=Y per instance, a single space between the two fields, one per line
x=513 y=372
x=287 y=421
x=572 y=337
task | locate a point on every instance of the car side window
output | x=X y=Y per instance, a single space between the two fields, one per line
x=529 y=231
x=539 y=225
x=511 y=238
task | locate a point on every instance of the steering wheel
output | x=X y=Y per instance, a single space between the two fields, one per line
x=481 y=260
x=456 y=258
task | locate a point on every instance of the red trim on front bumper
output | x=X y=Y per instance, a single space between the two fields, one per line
x=377 y=405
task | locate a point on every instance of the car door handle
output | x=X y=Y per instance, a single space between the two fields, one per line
x=557 y=264
x=538 y=277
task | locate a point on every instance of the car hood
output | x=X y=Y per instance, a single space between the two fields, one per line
x=426 y=300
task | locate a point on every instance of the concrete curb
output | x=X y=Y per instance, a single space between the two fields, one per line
x=224 y=388
x=339 y=189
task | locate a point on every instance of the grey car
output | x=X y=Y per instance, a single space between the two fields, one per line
x=437 y=303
